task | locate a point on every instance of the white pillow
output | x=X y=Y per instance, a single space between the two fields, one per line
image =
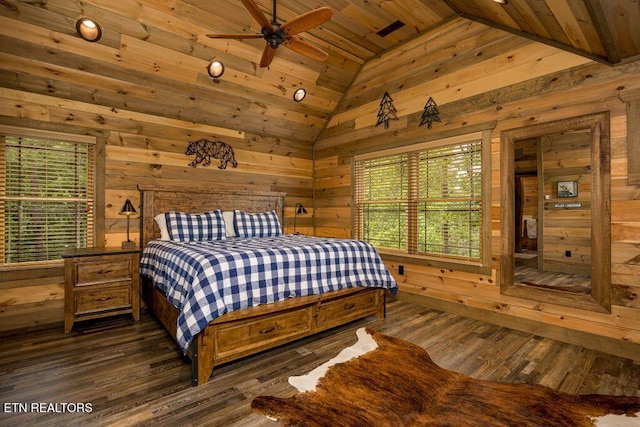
x=162 y=225
x=228 y=223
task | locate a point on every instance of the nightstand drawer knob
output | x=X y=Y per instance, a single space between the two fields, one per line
x=103 y=299
x=349 y=306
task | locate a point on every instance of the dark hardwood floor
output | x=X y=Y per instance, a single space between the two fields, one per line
x=133 y=374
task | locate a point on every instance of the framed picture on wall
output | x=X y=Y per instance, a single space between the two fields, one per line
x=567 y=188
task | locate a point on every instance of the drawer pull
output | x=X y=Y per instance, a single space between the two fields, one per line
x=105 y=271
x=349 y=306
x=103 y=299
x=266 y=331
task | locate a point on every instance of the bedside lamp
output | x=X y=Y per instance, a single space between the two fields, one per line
x=299 y=210
x=128 y=210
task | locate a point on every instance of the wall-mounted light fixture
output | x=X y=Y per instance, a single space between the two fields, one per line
x=299 y=211
x=502 y=2
x=88 y=29
x=128 y=210
x=299 y=95
x=215 y=69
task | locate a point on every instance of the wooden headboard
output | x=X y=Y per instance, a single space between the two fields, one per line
x=156 y=200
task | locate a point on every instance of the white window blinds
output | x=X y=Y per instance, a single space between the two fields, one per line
x=424 y=201
x=46 y=196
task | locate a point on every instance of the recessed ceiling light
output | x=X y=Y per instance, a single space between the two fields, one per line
x=215 y=69
x=299 y=95
x=88 y=29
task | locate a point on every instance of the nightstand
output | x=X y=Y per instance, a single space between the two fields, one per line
x=100 y=282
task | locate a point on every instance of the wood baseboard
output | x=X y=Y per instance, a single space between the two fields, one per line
x=613 y=346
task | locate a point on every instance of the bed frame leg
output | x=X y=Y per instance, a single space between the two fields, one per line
x=382 y=304
x=194 y=368
x=202 y=357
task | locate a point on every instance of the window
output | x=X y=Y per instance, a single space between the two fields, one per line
x=47 y=193
x=425 y=200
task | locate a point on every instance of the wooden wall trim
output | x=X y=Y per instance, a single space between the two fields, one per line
x=632 y=100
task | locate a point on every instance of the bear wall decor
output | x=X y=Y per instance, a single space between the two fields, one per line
x=205 y=150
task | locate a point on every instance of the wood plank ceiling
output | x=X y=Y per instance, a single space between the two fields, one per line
x=153 y=53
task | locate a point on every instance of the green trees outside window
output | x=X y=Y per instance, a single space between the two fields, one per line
x=422 y=200
x=46 y=197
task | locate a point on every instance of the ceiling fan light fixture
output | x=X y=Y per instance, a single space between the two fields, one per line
x=88 y=29
x=299 y=95
x=215 y=69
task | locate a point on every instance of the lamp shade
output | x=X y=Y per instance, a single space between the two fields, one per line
x=300 y=209
x=127 y=208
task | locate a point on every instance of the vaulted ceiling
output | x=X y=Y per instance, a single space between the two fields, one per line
x=360 y=29
x=153 y=54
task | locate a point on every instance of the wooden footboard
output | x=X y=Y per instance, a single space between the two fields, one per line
x=249 y=331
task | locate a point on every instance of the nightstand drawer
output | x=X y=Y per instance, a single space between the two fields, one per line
x=112 y=269
x=92 y=300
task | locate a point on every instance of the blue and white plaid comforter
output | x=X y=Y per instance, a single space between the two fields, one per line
x=205 y=280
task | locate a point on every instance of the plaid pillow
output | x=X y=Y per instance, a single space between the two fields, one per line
x=264 y=224
x=184 y=227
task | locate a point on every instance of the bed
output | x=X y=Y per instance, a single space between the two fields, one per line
x=229 y=327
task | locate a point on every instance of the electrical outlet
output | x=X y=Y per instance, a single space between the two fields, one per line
x=567 y=254
x=401 y=270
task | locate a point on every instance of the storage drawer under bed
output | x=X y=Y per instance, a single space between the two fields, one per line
x=264 y=331
x=337 y=312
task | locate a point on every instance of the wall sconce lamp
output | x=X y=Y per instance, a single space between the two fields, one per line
x=502 y=2
x=215 y=69
x=88 y=29
x=128 y=210
x=299 y=95
x=299 y=211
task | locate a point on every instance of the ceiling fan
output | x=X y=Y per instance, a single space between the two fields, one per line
x=277 y=34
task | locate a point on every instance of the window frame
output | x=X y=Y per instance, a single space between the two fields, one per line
x=97 y=222
x=483 y=264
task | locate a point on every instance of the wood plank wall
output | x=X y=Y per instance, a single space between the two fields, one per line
x=153 y=153
x=148 y=96
x=478 y=75
x=150 y=154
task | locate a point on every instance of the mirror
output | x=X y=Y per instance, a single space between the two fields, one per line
x=555 y=220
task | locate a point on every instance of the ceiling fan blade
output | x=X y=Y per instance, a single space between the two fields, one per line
x=236 y=36
x=307 y=21
x=257 y=14
x=306 y=49
x=267 y=56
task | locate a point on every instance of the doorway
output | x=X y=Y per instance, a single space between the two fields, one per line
x=555 y=180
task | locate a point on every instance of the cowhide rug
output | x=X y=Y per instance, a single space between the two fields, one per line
x=397 y=384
